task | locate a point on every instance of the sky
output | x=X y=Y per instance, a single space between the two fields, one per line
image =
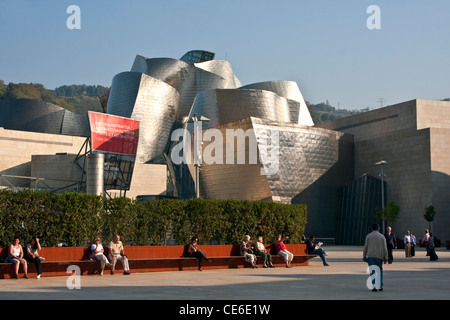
x=330 y=48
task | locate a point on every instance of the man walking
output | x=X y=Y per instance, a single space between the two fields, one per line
x=375 y=253
x=391 y=243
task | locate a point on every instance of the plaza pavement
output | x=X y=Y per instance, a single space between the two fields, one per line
x=345 y=279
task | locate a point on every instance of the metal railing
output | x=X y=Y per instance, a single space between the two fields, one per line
x=37 y=183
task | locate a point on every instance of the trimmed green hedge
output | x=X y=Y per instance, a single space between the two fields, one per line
x=76 y=218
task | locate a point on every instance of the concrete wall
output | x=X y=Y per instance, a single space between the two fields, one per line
x=148 y=179
x=18 y=147
x=32 y=154
x=57 y=172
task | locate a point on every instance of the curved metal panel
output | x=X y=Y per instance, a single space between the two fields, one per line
x=123 y=92
x=223 y=69
x=222 y=106
x=188 y=79
x=151 y=101
x=156 y=108
x=306 y=156
x=288 y=89
x=172 y=71
x=41 y=116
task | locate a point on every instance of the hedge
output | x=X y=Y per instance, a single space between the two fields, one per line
x=74 y=219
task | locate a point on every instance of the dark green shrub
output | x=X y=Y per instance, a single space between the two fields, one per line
x=74 y=219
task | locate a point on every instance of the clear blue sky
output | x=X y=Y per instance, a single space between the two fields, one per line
x=325 y=46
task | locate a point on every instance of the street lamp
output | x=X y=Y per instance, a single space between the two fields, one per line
x=382 y=163
x=197 y=147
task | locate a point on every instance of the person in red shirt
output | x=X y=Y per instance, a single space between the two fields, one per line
x=282 y=251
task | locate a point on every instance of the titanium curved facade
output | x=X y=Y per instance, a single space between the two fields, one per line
x=187 y=79
x=200 y=85
x=309 y=165
x=160 y=91
x=223 y=106
x=43 y=117
x=222 y=69
x=289 y=90
x=151 y=101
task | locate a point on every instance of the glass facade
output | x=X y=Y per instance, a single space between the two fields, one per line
x=196 y=56
x=360 y=200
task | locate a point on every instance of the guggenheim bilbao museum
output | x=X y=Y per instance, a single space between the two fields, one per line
x=192 y=129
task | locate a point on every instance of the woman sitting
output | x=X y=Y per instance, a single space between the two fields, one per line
x=247 y=252
x=282 y=251
x=261 y=251
x=32 y=255
x=194 y=252
x=16 y=257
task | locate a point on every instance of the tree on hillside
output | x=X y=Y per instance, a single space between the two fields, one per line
x=76 y=90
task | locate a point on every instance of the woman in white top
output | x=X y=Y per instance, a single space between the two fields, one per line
x=247 y=252
x=16 y=256
x=97 y=250
x=262 y=252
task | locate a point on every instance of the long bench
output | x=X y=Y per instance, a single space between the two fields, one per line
x=150 y=259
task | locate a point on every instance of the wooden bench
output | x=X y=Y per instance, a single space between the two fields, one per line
x=150 y=259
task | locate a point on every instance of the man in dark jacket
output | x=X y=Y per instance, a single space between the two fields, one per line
x=313 y=248
x=391 y=243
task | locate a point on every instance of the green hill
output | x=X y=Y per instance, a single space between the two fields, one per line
x=76 y=98
x=323 y=112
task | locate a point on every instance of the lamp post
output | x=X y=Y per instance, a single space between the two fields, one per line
x=382 y=163
x=197 y=149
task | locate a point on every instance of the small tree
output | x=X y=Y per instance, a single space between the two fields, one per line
x=429 y=215
x=390 y=212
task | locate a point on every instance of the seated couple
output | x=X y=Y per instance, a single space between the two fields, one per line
x=116 y=253
x=259 y=250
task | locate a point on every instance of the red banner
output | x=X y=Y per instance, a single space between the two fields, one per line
x=113 y=134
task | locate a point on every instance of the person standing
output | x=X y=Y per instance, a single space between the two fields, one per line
x=117 y=253
x=375 y=253
x=431 y=248
x=425 y=239
x=391 y=243
x=408 y=245
x=413 y=244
